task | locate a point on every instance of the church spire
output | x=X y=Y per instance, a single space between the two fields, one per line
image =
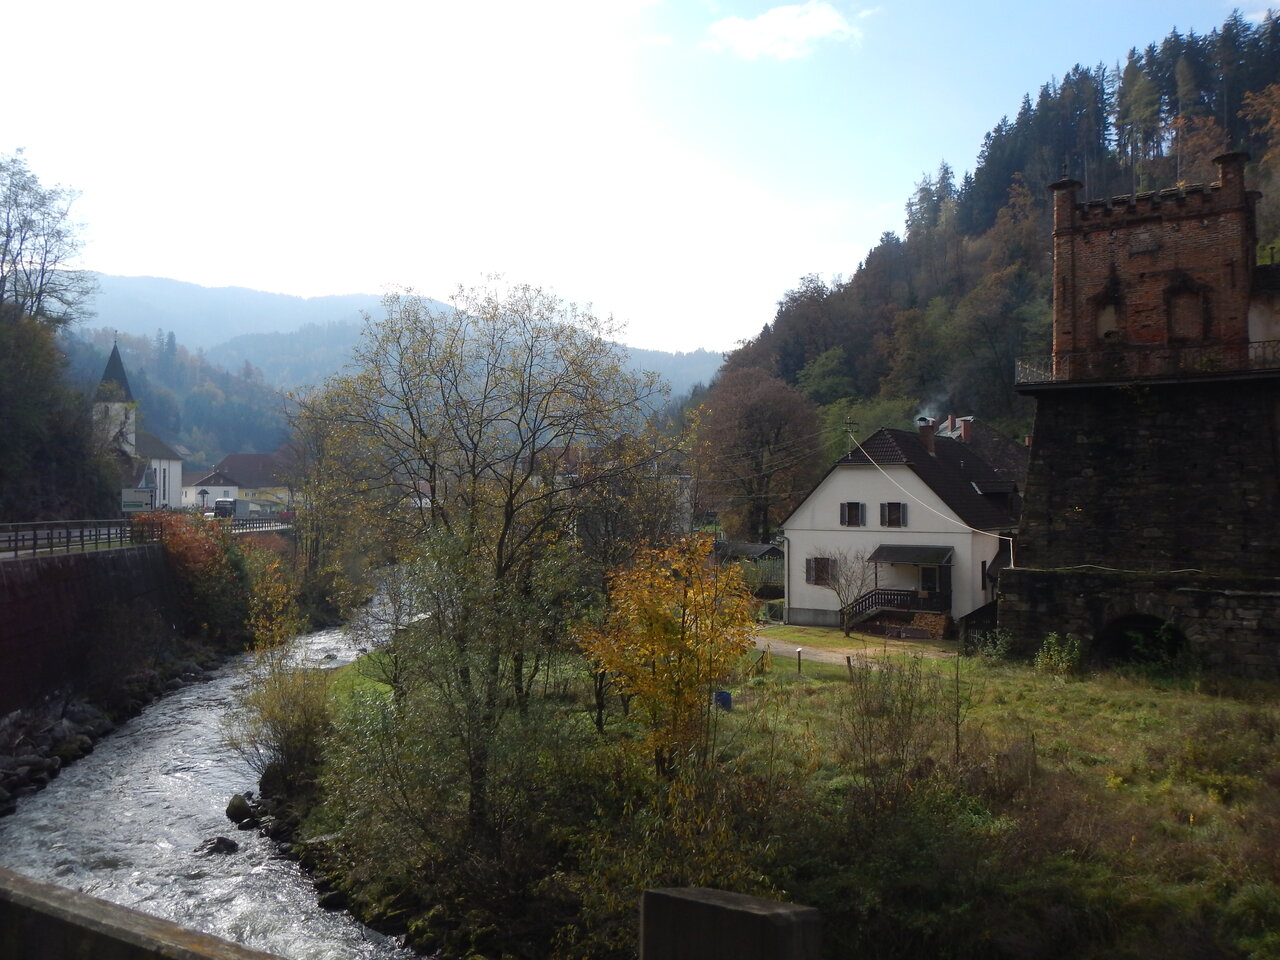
x=114 y=386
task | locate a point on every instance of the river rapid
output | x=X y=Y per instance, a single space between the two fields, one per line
x=123 y=822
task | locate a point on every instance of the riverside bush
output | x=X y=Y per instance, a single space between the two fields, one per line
x=282 y=718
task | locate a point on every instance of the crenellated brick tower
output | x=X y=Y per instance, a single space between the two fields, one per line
x=1152 y=508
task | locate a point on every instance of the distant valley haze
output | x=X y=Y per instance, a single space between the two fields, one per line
x=294 y=341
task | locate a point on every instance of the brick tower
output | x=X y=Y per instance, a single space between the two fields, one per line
x=1152 y=506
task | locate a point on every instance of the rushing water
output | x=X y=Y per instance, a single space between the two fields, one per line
x=122 y=824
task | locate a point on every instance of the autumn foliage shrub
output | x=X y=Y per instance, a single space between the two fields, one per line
x=228 y=588
x=211 y=578
x=677 y=626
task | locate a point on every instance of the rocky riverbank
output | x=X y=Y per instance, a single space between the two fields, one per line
x=395 y=916
x=37 y=742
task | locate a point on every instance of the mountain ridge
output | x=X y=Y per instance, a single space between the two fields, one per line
x=295 y=341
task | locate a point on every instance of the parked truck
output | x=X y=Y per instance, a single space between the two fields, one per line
x=238 y=509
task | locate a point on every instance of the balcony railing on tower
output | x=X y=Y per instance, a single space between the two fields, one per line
x=1155 y=362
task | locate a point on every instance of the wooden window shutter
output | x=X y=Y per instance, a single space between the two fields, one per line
x=844 y=514
x=884 y=514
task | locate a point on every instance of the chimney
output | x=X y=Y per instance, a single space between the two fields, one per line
x=925 y=426
x=966 y=426
x=951 y=424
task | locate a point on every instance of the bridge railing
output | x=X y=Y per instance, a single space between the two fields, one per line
x=79 y=536
x=70 y=536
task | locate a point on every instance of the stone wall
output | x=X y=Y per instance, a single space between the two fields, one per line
x=54 y=609
x=1231 y=622
x=696 y=923
x=1156 y=477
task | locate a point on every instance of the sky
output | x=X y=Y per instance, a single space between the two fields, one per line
x=678 y=165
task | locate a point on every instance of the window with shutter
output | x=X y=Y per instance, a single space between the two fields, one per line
x=893 y=514
x=819 y=570
x=853 y=514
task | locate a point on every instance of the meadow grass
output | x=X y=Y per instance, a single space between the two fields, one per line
x=1140 y=813
x=787 y=637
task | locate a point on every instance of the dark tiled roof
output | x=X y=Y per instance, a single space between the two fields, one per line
x=253 y=470
x=952 y=472
x=1007 y=457
x=740 y=550
x=151 y=447
x=114 y=385
x=215 y=479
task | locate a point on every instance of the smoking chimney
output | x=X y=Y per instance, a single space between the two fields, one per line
x=925 y=425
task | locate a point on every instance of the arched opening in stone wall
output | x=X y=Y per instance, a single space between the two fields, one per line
x=1139 y=638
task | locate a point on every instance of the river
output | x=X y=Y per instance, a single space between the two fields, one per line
x=122 y=824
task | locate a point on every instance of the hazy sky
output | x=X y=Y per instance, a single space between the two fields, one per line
x=679 y=165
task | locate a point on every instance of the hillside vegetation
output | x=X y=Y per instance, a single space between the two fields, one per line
x=934 y=317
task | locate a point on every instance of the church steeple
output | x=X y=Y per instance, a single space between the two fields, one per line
x=114 y=409
x=114 y=386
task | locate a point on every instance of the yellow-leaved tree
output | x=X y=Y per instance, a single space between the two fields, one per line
x=677 y=626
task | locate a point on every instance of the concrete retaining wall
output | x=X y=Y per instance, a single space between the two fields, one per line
x=41 y=920
x=53 y=609
x=695 y=923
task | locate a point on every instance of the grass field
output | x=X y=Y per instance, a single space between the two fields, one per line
x=785 y=637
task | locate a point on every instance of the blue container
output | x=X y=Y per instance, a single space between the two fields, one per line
x=724 y=699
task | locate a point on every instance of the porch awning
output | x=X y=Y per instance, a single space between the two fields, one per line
x=912 y=553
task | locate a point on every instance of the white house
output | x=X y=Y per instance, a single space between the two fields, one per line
x=200 y=488
x=924 y=516
x=162 y=470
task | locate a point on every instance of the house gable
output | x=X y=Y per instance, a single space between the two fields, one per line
x=926 y=511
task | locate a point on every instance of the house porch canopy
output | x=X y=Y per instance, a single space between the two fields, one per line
x=918 y=554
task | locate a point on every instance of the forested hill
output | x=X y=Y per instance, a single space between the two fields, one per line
x=934 y=318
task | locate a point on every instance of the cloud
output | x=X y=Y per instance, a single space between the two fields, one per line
x=783 y=33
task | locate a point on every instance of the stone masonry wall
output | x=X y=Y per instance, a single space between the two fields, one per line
x=1156 y=477
x=1231 y=623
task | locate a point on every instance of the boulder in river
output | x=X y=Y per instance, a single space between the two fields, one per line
x=217 y=845
x=239 y=809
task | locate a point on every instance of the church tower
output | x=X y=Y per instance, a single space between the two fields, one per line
x=115 y=414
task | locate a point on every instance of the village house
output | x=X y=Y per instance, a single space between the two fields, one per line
x=908 y=527
x=262 y=477
x=200 y=488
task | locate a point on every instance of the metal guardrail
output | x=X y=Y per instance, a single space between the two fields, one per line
x=70 y=536
x=82 y=536
x=1160 y=361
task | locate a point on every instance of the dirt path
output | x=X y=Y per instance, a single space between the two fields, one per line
x=786 y=650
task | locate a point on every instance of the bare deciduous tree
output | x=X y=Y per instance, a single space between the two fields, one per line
x=38 y=239
x=850 y=574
